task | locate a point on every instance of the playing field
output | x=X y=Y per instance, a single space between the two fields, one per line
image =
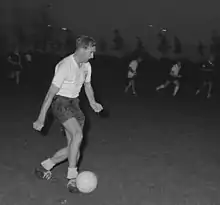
x=151 y=150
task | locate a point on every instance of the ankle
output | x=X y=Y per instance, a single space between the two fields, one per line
x=48 y=164
x=72 y=172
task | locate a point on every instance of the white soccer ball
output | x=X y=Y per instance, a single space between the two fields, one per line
x=86 y=181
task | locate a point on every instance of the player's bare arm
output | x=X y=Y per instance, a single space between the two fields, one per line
x=53 y=90
x=89 y=92
x=90 y=95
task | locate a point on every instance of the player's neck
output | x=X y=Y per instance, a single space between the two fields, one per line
x=77 y=59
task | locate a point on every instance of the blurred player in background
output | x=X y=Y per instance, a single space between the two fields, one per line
x=173 y=78
x=206 y=76
x=15 y=66
x=132 y=74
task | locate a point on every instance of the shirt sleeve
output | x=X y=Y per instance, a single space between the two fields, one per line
x=61 y=72
x=89 y=74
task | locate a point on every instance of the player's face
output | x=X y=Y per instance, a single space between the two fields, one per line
x=88 y=53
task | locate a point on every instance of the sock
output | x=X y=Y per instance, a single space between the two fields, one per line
x=72 y=173
x=47 y=164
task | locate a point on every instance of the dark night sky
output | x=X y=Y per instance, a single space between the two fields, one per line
x=191 y=20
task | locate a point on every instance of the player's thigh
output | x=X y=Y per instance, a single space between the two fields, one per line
x=132 y=81
x=167 y=82
x=72 y=128
x=176 y=82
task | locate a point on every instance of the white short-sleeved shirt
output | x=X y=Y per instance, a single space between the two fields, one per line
x=70 y=78
x=133 y=65
x=28 y=57
x=175 y=70
x=132 y=68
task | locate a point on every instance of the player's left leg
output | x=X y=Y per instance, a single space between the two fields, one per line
x=210 y=86
x=133 y=87
x=162 y=86
x=177 y=87
x=17 y=77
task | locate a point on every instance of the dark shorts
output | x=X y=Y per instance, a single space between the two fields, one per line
x=172 y=78
x=128 y=80
x=65 y=108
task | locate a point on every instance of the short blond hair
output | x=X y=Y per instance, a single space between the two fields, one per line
x=85 y=42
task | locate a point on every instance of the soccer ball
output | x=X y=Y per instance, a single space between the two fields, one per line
x=86 y=181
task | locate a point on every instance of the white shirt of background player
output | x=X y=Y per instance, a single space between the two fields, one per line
x=132 y=68
x=28 y=57
x=175 y=70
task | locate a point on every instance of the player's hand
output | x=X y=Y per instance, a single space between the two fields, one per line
x=38 y=125
x=96 y=107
